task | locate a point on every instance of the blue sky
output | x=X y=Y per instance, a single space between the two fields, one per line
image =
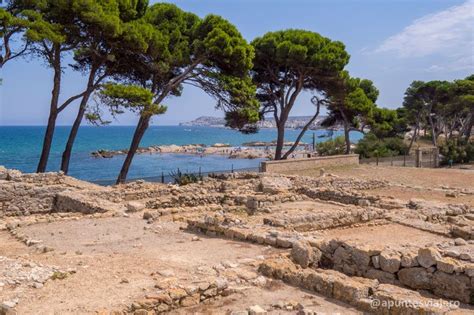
x=391 y=42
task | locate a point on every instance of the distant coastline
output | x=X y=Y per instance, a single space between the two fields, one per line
x=294 y=122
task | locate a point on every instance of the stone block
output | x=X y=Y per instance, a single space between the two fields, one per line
x=428 y=256
x=415 y=278
x=390 y=261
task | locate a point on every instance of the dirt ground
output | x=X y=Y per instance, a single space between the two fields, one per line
x=407 y=176
x=385 y=235
x=118 y=260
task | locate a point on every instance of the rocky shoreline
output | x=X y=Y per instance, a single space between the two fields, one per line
x=251 y=150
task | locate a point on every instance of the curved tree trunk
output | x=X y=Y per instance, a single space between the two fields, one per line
x=53 y=112
x=66 y=157
x=142 y=126
x=303 y=131
x=412 y=139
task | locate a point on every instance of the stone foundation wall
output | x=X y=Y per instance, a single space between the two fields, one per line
x=26 y=194
x=341 y=196
x=186 y=296
x=18 y=198
x=422 y=269
x=284 y=166
x=358 y=292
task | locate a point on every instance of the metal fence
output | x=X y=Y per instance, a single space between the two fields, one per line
x=167 y=177
x=427 y=161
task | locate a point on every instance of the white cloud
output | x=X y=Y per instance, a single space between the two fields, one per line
x=448 y=33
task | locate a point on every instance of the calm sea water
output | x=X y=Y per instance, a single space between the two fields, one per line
x=20 y=147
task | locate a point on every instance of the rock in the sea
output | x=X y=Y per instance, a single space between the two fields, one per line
x=3 y=173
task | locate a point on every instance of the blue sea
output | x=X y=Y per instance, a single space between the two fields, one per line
x=20 y=147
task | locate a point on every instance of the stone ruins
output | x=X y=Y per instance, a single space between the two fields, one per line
x=331 y=236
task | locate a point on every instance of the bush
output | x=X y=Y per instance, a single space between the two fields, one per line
x=182 y=179
x=457 y=151
x=371 y=146
x=331 y=147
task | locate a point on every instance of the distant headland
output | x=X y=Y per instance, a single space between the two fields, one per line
x=294 y=122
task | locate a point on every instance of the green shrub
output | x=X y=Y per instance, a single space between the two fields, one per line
x=331 y=147
x=457 y=151
x=184 y=179
x=371 y=146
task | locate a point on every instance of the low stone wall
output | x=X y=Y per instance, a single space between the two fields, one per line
x=365 y=294
x=418 y=269
x=284 y=166
x=173 y=298
x=18 y=198
x=70 y=201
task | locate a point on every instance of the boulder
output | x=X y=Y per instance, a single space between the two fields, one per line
x=452 y=286
x=305 y=255
x=3 y=173
x=390 y=261
x=409 y=260
x=449 y=265
x=256 y=310
x=275 y=184
x=428 y=256
x=135 y=206
x=382 y=276
x=416 y=278
x=459 y=241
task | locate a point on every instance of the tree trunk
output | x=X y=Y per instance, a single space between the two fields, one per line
x=433 y=133
x=77 y=122
x=53 y=112
x=412 y=139
x=66 y=157
x=303 y=131
x=280 y=140
x=469 y=128
x=347 y=138
x=142 y=126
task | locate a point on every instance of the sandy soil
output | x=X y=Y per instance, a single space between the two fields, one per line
x=277 y=293
x=119 y=260
x=423 y=177
x=404 y=193
x=384 y=235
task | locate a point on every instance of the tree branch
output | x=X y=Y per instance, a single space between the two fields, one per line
x=318 y=102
